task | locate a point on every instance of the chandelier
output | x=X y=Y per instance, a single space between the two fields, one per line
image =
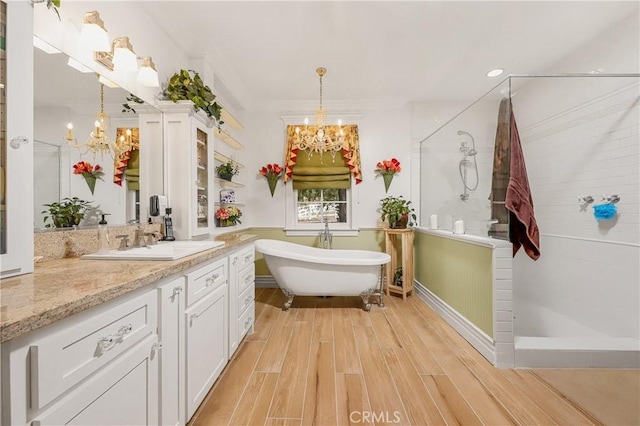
x=320 y=138
x=99 y=141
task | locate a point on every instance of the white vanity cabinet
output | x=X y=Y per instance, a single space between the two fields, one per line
x=79 y=369
x=145 y=358
x=171 y=306
x=206 y=321
x=241 y=295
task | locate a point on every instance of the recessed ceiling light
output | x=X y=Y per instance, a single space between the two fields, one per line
x=495 y=73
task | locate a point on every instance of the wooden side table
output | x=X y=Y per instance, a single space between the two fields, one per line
x=399 y=243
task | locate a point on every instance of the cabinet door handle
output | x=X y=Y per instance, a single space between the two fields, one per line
x=108 y=342
x=235 y=260
x=176 y=291
x=247 y=300
x=193 y=316
x=156 y=346
x=248 y=257
x=248 y=279
x=248 y=323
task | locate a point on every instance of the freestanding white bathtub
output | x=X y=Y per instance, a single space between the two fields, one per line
x=309 y=271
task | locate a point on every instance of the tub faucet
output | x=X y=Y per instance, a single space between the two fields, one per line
x=326 y=238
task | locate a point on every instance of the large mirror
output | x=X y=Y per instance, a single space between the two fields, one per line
x=64 y=94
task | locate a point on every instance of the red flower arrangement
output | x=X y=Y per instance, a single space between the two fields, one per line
x=272 y=172
x=387 y=169
x=89 y=173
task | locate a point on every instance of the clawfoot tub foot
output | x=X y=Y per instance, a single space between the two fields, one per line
x=289 y=295
x=365 y=300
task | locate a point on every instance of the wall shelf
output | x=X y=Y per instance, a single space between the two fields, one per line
x=229 y=119
x=228 y=139
x=228 y=184
x=217 y=204
x=224 y=159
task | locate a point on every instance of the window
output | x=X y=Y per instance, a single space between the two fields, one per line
x=322 y=205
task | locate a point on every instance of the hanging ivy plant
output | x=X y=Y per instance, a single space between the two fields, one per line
x=187 y=85
x=51 y=4
x=126 y=107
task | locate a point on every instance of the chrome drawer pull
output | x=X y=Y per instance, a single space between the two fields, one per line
x=248 y=279
x=248 y=257
x=108 y=342
x=176 y=291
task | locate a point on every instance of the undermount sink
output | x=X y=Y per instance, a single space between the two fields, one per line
x=163 y=250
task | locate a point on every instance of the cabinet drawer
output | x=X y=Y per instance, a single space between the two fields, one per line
x=246 y=298
x=246 y=320
x=68 y=356
x=246 y=257
x=204 y=280
x=246 y=278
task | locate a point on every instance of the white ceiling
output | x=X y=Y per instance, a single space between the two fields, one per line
x=266 y=52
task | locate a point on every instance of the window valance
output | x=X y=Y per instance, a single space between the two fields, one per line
x=323 y=169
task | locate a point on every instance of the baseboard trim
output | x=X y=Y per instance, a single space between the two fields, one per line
x=266 y=281
x=478 y=338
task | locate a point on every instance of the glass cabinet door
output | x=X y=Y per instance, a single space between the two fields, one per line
x=202 y=171
x=16 y=143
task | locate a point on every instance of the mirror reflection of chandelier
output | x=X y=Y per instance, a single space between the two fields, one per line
x=320 y=138
x=99 y=141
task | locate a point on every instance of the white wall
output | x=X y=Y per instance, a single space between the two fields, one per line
x=581 y=137
x=383 y=134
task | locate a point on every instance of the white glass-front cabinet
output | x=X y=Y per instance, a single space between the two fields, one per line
x=16 y=139
x=189 y=146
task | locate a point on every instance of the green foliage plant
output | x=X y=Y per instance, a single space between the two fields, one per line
x=187 y=85
x=126 y=107
x=227 y=169
x=392 y=208
x=65 y=214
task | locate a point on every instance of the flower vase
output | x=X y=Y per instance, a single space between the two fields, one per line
x=272 y=181
x=387 y=181
x=91 y=182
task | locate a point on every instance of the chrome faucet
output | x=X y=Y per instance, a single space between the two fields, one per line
x=139 y=238
x=326 y=238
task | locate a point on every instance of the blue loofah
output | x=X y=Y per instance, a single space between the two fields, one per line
x=604 y=211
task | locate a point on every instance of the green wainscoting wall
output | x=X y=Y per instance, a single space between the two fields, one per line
x=460 y=274
x=367 y=239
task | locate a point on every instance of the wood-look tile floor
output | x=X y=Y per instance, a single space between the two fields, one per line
x=327 y=362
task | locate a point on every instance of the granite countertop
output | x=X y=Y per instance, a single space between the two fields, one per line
x=60 y=288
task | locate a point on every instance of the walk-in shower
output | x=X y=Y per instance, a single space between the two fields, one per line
x=580 y=136
x=465 y=163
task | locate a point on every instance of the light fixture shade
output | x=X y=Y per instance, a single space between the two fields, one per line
x=93 y=34
x=148 y=76
x=124 y=59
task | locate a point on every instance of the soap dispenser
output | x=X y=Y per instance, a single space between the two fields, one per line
x=103 y=236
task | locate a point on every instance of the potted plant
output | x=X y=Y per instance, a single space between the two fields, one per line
x=398 y=211
x=67 y=213
x=227 y=170
x=187 y=85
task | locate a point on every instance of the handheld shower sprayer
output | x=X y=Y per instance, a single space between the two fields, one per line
x=468 y=151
